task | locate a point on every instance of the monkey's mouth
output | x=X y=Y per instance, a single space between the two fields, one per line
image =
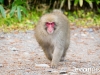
x=50 y=31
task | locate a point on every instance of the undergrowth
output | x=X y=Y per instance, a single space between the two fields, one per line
x=78 y=18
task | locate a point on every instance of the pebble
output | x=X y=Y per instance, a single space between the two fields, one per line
x=41 y=65
x=90 y=30
x=1 y=65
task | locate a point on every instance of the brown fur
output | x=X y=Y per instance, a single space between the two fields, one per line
x=54 y=45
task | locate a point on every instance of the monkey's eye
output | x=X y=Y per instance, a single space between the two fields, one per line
x=53 y=23
x=50 y=23
x=47 y=24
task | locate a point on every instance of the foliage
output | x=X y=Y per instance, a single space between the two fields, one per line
x=84 y=19
x=17 y=7
x=79 y=12
x=81 y=2
x=27 y=22
x=2 y=10
x=1 y=1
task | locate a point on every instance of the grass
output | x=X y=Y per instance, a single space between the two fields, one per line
x=12 y=23
x=84 y=19
x=79 y=18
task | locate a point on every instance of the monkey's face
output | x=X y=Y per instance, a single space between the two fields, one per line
x=50 y=27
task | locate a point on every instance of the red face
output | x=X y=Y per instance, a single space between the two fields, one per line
x=50 y=26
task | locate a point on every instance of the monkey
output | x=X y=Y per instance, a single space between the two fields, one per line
x=52 y=32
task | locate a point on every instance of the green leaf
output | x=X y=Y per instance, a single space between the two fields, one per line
x=13 y=10
x=90 y=3
x=76 y=2
x=98 y=2
x=69 y=4
x=18 y=2
x=24 y=10
x=98 y=10
x=81 y=2
x=19 y=13
x=1 y=1
x=2 y=11
x=62 y=3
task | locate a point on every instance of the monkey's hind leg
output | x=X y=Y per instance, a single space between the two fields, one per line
x=63 y=56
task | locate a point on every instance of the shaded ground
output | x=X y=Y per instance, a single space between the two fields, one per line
x=20 y=54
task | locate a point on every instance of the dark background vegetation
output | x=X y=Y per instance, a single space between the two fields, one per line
x=24 y=14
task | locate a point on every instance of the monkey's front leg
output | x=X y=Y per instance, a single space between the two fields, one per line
x=47 y=52
x=56 y=57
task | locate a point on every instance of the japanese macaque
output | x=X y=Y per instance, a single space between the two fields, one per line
x=53 y=35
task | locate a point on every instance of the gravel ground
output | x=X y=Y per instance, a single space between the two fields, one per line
x=20 y=54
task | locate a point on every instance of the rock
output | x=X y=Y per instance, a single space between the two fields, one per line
x=41 y=65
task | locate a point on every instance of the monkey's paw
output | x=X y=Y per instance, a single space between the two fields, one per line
x=53 y=65
x=62 y=59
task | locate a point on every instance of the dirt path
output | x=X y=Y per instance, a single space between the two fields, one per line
x=20 y=54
